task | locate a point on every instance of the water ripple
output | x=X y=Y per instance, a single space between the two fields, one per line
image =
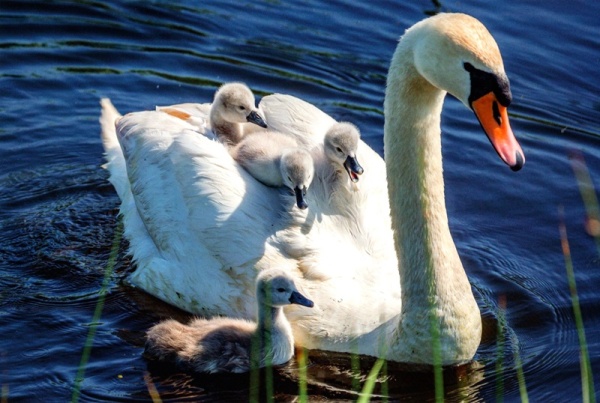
x=58 y=212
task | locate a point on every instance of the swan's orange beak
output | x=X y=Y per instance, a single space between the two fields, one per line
x=493 y=118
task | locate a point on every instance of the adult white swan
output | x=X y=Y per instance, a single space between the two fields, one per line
x=200 y=227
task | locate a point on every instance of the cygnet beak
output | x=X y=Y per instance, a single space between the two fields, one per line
x=353 y=168
x=297 y=298
x=255 y=118
x=300 y=202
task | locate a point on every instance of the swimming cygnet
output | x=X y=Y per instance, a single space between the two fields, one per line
x=276 y=160
x=233 y=105
x=225 y=345
x=340 y=145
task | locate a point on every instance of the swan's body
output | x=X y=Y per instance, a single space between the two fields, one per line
x=293 y=116
x=197 y=115
x=276 y=160
x=199 y=227
x=222 y=345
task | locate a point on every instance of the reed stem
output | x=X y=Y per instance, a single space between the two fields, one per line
x=588 y=195
x=369 y=386
x=87 y=349
x=587 y=380
x=302 y=375
x=500 y=349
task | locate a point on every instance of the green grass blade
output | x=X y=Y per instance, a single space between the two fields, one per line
x=254 y=393
x=302 y=375
x=502 y=336
x=85 y=356
x=154 y=395
x=268 y=347
x=355 y=366
x=438 y=370
x=520 y=377
x=500 y=349
x=588 y=194
x=367 y=390
x=587 y=380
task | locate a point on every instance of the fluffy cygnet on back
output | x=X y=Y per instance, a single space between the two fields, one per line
x=233 y=106
x=225 y=345
x=340 y=145
x=232 y=114
x=276 y=160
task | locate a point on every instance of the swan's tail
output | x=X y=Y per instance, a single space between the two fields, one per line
x=115 y=161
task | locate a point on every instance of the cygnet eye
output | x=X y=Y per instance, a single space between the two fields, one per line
x=242 y=108
x=281 y=289
x=339 y=150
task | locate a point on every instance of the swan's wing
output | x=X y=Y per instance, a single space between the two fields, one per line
x=296 y=117
x=198 y=222
x=115 y=162
x=195 y=114
x=200 y=228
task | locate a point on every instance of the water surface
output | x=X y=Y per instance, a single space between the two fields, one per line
x=58 y=213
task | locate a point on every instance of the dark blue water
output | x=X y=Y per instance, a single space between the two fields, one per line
x=58 y=213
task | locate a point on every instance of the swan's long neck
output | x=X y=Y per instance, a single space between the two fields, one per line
x=435 y=289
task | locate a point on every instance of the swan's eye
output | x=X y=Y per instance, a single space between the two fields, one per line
x=339 y=150
x=242 y=108
x=281 y=289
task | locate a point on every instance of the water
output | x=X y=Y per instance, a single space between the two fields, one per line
x=59 y=214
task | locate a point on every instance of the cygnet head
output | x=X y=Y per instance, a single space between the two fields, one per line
x=235 y=103
x=341 y=143
x=275 y=288
x=297 y=171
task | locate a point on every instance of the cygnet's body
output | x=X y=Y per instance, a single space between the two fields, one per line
x=334 y=190
x=225 y=345
x=276 y=160
x=233 y=106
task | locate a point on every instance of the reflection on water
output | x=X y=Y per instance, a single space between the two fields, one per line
x=59 y=214
x=328 y=376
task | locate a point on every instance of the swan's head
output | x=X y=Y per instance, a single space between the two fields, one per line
x=275 y=287
x=457 y=54
x=340 y=144
x=235 y=103
x=297 y=171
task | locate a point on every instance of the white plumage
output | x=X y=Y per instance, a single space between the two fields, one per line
x=200 y=227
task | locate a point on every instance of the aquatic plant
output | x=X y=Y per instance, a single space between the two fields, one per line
x=87 y=348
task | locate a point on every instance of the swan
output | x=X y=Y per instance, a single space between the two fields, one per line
x=276 y=160
x=226 y=345
x=200 y=228
x=232 y=107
